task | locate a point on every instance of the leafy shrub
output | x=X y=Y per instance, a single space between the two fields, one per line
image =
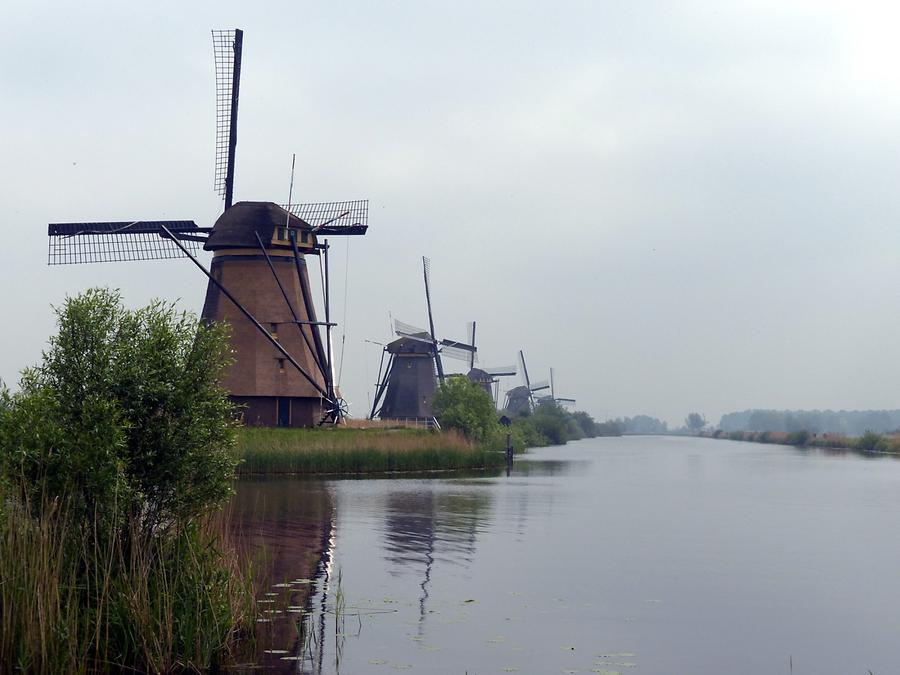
x=461 y=404
x=551 y=421
x=112 y=454
x=797 y=438
x=872 y=442
x=124 y=414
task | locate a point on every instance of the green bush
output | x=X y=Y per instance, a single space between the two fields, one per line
x=587 y=425
x=872 y=442
x=461 y=404
x=114 y=453
x=552 y=422
x=798 y=438
x=124 y=413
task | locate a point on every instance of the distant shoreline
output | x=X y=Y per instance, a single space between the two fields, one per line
x=869 y=443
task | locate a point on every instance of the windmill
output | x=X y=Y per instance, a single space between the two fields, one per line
x=520 y=400
x=283 y=373
x=559 y=399
x=406 y=386
x=487 y=378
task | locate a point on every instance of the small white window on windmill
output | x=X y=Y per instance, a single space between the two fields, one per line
x=273 y=331
x=280 y=365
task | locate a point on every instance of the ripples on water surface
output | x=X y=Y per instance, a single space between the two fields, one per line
x=630 y=555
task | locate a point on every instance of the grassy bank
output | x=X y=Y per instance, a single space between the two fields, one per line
x=77 y=600
x=868 y=442
x=356 y=451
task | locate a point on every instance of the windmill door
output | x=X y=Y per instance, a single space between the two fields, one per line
x=284 y=412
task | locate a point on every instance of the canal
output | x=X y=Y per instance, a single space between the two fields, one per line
x=629 y=555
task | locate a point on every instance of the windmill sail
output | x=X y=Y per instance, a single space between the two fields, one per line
x=540 y=386
x=227 y=48
x=457 y=350
x=426 y=271
x=407 y=330
x=501 y=371
x=333 y=217
x=75 y=243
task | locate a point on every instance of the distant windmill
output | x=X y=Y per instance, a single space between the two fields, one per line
x=487 y=378
x=283 y=372
x=406 y=386
x=520 y=400
x=559 y=399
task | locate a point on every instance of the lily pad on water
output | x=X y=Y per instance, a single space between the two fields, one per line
x=377 y=662
x=604 y=671
x=510 y=669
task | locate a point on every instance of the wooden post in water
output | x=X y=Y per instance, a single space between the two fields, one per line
x=505 y=421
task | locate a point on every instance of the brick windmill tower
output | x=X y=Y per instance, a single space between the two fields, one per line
x=258 y=281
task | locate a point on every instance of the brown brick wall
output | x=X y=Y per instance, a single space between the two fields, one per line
x=259 y=370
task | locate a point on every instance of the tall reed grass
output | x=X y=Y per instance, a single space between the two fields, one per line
x=74 y=600
x=356 y=451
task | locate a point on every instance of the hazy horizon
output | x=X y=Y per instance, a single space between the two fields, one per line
x=677 y=208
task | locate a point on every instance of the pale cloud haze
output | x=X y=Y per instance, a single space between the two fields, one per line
x=679 y=206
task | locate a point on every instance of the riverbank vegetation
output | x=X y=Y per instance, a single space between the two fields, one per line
x=356 y=451
x=115 y=458
x=867 y=442
x=463 y=405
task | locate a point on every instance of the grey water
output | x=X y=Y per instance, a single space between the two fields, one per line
x=629 y=555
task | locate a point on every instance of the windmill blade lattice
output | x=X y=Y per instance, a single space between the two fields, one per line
x=408 y=330
x=333 y=217
x=458 y=353
x=539 y=386
x=227 y=46
x=74 y=243
x=501 y=371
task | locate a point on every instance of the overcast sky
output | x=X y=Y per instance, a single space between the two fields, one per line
x=679 y=206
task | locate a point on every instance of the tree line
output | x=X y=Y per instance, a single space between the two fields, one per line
x=844 y=422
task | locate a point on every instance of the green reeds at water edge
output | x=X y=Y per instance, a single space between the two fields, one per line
x=74 y=600
x=355 y=451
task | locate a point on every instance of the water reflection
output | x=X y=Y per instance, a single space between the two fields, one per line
x=288 y=527
x=422 y=526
